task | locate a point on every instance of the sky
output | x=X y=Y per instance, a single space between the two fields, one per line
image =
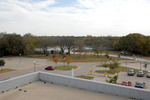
x=75 y=17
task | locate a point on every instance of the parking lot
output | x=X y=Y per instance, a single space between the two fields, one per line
x=123 y=76
x=26 y=65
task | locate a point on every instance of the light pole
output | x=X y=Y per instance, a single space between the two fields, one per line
x=20 y=57
x=140 y=65
x=126 y=64
x=64 y=61
x=72 y=72
x=34 y=66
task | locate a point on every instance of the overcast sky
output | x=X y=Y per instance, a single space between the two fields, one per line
x=75 y=17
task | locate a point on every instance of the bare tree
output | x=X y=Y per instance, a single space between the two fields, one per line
x=70 y=43
x=80 y=45
x=44 y=43
x=61 y=42
x=98 y=45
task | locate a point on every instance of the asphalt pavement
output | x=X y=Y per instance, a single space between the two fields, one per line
x=25 y=65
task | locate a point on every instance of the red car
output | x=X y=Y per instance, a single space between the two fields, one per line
x=49 y=68
x=126 y=83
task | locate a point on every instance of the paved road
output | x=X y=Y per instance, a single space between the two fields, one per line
x=129 y=57
x=26 y=65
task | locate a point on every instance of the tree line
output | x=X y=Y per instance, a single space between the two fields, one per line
x=134 y=43
x=15 y=44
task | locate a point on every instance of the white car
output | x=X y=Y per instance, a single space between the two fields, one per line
x=124 y=53
x=148 y=74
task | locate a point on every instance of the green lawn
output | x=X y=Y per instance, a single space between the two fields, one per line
x=107 y=71
x=117 y=70
x=66 y=67
x=85 y=77
x=75 y=57
x=5 y=70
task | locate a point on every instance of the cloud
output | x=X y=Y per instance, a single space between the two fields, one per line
x=118 y=14
x=95 y=17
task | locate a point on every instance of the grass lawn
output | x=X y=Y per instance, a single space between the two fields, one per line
x=5 y=70
x=107 y=71
x=75 y=57
x=117 y=70
x=41 y=56
x=66 y=67
x=85 y=77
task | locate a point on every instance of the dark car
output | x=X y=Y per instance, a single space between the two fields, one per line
x=148 y=74
x=131 y=72
x=49 y=68
x=126 y=83
x=140 y=74
x=140 y=85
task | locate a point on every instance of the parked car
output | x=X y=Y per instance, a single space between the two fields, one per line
x=148 y=74
x=49 y=68
x=131 y=72
x=126 y=83
x=140 y=85
x=140 y=74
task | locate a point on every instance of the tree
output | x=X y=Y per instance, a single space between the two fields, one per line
x=147 y=46
x=12 y=44
x=55 y=60
x=80 y=46
x=119 y=55
x=68 y=59
x=105 y=66
x=2 y=63
x=96 y=49
x=89 y=40
x=109 y=40
x=97 y=45
x=134 y=57
x=2 y=46
x=70 y=43
x=135 y=43
x=44 y=43
x=60 y=41
x=107 y=55
x=123 y=44
x=116 y=45
x=114 y=64
x=140 y=43
x=145 y=66
x=30 y=43
x=112 y=79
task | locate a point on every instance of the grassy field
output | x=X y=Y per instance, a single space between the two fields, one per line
x=85 y=77
x=117 y=70
x=75 y=58
x=5 y=70
x=66 y=67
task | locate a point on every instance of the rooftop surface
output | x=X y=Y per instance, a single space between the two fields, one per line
x=46 y=91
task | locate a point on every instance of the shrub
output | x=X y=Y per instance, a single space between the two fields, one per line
x=2 y=63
